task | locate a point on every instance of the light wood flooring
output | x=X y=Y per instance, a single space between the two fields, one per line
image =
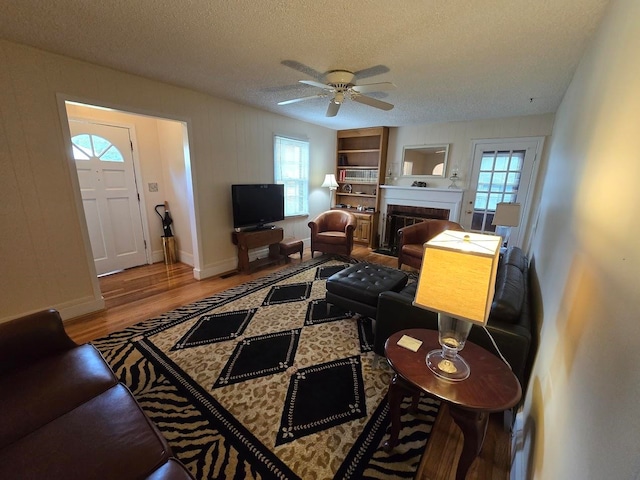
x=145 y=292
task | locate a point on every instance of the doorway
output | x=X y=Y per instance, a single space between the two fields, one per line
x=161 y=168
x=503 y=170
x=103 y=155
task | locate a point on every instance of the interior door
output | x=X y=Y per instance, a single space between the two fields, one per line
x=502 y=171
x=104 y=163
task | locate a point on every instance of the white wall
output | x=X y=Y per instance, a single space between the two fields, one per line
x=177 y=180
x=45 y=241
x=460 y=137
x=582 y=409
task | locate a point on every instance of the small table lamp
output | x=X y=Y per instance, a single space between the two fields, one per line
x=457 y=280
x=507 y=215
x=330 y=181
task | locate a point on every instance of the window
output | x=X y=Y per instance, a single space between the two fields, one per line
x=291 y=168
x=86 y=146
x=498 y=181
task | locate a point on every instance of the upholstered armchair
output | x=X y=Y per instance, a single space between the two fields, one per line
x=332 y=232
x=412 y=238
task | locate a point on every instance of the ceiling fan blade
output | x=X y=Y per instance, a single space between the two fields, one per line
x=371 y=71
x=372 y=102
x=316 y=84
x=332 y=111
x=302 y=99
x=374 y=87
x=301 y=67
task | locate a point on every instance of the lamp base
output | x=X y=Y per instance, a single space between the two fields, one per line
x=449 y=367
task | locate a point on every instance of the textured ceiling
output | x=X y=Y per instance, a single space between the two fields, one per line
x=450 y=59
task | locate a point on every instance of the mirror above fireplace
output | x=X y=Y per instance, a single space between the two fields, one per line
x=425 y=161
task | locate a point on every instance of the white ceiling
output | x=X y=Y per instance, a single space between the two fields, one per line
x=450 y=59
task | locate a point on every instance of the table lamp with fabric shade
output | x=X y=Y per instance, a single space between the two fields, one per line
x=457 y=280
x=507 y=215
x=330 y=181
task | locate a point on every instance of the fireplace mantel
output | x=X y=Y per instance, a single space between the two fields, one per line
x=445 y=198
x=448 y=198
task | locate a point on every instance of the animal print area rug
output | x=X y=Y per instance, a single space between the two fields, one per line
x=263 y=381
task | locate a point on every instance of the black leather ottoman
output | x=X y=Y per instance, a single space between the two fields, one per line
x=356 y=288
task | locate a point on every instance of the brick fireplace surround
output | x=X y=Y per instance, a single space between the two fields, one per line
x=403 y=206
x=399 y=216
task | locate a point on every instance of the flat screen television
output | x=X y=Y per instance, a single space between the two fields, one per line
x=257 y=205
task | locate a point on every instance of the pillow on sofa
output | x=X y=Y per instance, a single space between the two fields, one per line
x=509 y=294
x=515 y=256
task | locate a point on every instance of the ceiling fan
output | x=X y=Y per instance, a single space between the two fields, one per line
x=340 y=87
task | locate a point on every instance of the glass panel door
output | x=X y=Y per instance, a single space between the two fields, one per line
x=502 y=171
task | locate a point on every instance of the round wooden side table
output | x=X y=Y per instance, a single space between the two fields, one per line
x=491 y=387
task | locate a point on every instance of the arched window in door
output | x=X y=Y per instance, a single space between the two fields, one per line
x=87 y=146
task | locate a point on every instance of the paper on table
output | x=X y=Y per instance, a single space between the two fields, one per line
x=409 y=343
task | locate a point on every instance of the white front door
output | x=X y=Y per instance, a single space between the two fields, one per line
x=502 y=171
x=104 y=163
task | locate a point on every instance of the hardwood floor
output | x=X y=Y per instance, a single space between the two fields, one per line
x=144 y=292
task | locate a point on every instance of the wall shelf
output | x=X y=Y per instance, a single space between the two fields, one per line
x=360 y=151
x=355 y=167
x=356 y=195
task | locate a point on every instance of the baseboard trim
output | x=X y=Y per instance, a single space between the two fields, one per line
x=518 y=453
x=186 y=258
x=67 y=310
x=183 y=257
x=215 y=269
x=79 y=308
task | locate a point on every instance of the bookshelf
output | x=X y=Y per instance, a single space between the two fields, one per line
x=361 y=162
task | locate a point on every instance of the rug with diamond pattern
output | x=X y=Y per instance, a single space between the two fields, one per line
x=267 y=381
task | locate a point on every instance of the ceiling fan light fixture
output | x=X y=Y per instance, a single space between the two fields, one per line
x=339 y=83
x=339 y=77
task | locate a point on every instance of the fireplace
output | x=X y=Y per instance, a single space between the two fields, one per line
x=399 y=216
x=401 y=206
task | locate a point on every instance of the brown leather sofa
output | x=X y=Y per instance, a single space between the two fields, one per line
x=332 y=232
x=66 y=416
x=412 y=238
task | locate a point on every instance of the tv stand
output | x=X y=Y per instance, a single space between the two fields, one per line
x=259 y=228
x=250 y=239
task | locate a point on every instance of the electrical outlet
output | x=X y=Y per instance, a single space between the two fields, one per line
x=153 y=187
